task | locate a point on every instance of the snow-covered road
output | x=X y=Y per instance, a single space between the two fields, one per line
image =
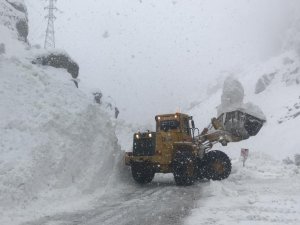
x=265 y=191
x=160 y=202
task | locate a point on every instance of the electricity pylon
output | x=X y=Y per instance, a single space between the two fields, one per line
x=50 y=37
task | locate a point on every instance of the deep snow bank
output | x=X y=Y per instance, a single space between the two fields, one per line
x=57 y=146
x=52 y=136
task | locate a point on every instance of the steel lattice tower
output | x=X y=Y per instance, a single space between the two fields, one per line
x=50 y=37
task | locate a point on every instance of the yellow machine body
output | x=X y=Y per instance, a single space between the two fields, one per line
x=171 y=130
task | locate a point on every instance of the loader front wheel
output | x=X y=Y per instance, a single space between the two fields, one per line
x=142 y=173
x=184 y=168
x=217 y=165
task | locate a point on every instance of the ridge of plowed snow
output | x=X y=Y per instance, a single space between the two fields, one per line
x=55 y=142
x=58 y=149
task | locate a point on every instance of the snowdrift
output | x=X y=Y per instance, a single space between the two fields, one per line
x=56 y=145
x=52 y=136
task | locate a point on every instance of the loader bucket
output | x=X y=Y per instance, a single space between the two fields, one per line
x=241 y=124
x=253 y=124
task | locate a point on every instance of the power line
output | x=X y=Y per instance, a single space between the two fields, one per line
x=50 y=34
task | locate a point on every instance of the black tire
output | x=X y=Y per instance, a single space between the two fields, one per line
x=200 y=169
x=142 y=173
x=217 y=165
x=184 y=168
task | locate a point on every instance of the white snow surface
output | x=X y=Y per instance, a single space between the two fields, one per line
x=263 y=192
x=266 y=190
x=58 y=149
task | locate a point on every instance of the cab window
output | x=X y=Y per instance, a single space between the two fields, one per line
x=186 y=127
x=169 y=125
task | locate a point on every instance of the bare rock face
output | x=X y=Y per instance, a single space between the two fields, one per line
x=106 y=102
x=264 y=82
x=18 y=5
x=13 y=15
x=59 y=60
x=22 y=28
x=293 y=112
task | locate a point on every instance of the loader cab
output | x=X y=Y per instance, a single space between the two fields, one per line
x=171 y=129
x=178 y=122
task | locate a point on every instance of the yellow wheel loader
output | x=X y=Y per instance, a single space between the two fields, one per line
x=178 y=147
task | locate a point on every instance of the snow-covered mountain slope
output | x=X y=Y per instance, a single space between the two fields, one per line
x=13 y=27
x=265 y=191
x=275 y=88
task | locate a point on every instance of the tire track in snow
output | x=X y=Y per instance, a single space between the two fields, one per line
x=158 y=203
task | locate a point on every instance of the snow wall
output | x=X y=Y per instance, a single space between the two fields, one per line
x=55 y=141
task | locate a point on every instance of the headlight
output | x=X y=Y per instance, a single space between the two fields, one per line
x=150 y=135
x=158 y=118
x=137 y=136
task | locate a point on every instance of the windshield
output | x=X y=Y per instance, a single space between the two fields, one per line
x=169 y=125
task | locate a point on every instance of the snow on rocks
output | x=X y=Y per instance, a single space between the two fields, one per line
x=58 y=59
x=282 y=69
x=233 y=94
x=233 y=99
x=13 y=15
x=58 y=149
x=107 y=102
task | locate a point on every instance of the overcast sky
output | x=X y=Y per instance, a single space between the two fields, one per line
x=156 y=56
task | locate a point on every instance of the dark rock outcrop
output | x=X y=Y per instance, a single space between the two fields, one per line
x=18 y=6
x=98 y=97
x=59 y=60
x=264 y=82
x=13 y=15
x=22 y=28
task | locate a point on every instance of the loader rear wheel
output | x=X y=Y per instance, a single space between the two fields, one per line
x=184 y=168
x=217 y=165
x=142 y=173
